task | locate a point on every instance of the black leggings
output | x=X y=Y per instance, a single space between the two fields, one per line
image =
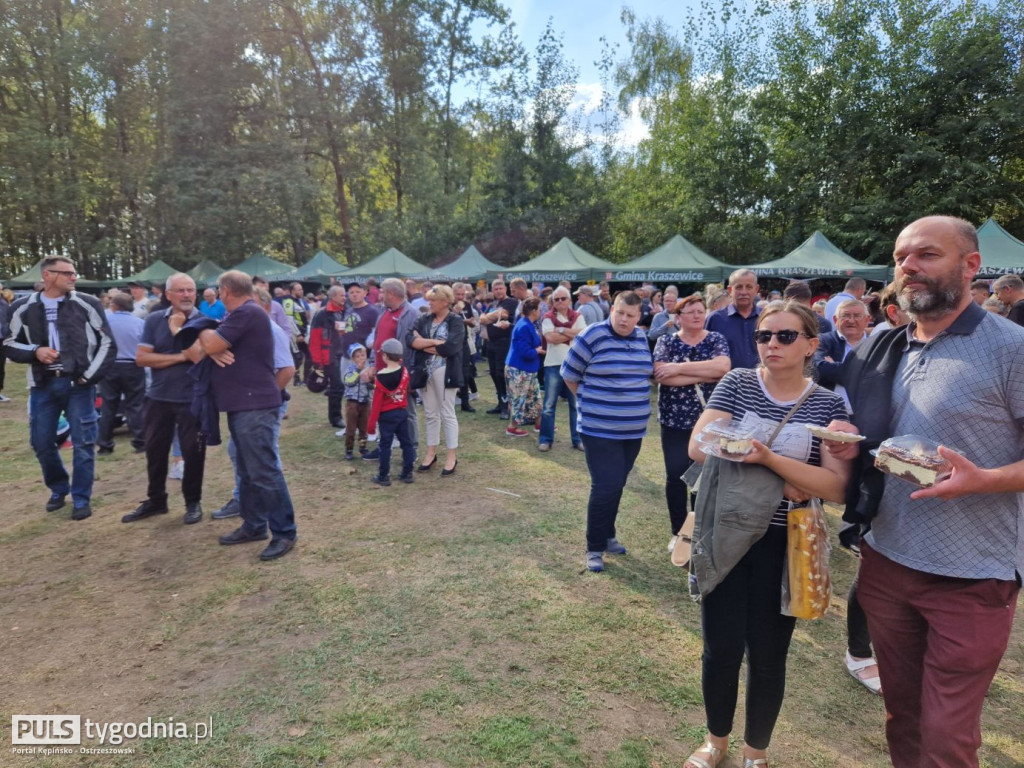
x=675 y=444
x=858 y=638
x=743 y=614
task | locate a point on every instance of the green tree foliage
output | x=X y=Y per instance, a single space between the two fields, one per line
x=850 y=116
x=132 y=130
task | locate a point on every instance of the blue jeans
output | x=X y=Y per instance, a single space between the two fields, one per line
x=263 y=492
x=392 y=424
x=609 y=462
x=233 y=454
x=554 y=388
x=46 y=402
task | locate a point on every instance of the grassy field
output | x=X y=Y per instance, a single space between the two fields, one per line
x=446 y=623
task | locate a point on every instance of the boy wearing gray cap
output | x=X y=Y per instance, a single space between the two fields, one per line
x=389 y=413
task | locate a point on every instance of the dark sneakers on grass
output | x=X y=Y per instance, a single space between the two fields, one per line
x=144 y=510
x=243 y=535
x=407 y=477
x=378 y=480
x=56 y=502
x=193 y=513
x=81 y=513
x=373 y=455
x=277 y=548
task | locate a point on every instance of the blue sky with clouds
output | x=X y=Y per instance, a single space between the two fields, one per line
x=581 y=24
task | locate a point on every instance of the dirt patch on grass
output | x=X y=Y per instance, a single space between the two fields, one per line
x=417 y=625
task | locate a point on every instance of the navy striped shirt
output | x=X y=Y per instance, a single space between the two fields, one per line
x=742 y=393
x=613 y=373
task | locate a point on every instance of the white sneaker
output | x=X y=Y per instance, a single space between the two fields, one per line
x=474 y=395
x=340 y=432
x=371 y=438
x=4 y=399
x=177 y=470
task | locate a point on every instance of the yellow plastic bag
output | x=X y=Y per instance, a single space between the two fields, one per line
x=806 y=592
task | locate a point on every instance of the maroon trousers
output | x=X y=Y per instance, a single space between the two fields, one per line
x=938 y=641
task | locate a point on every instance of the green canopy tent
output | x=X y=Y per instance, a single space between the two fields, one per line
x=563 y=261
x=34 y=274
x=471 y=265
x=318 y=269
x=1001 y=252
x=818 y=257
x=205 y=273
x=391 y=263
x=675 y=261
x=261 y=264
x=157 y=273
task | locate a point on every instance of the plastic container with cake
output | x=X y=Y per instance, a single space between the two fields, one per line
x=913 y=458
x=726 y=439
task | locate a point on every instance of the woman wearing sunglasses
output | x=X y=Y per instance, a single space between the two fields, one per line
x=742 y=612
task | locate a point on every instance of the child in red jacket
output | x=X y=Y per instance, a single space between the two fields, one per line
x=390 y=412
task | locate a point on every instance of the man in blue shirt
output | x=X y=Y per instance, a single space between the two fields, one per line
x=168 y=402
x=125 y=378
x=738 y=321
x=211 y=306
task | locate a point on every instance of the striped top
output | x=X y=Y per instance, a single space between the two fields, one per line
x=613 y=375
x=742 y=394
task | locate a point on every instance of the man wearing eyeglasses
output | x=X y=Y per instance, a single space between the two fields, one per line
x=168 y=404
x=851 y=327
x=65 y=338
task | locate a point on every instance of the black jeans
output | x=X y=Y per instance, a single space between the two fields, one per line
x=743 y=614
x=162 y=418
x=675 y=445
x=609 y=462
x=335 y=393
x=129 y=380
x=497 y=351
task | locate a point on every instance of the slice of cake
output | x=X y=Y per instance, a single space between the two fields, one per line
x=914 y=463
x=730 y=439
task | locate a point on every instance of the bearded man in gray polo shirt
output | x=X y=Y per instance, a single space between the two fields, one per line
x=942 y=566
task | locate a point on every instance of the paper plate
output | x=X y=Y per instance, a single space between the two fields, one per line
x=831 y=434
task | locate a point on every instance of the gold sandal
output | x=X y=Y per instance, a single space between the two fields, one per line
x=755 y=762
x=715 y=755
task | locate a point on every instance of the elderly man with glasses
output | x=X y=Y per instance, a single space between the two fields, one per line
x=65 y=337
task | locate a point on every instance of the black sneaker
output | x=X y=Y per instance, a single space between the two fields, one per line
x=349 y=456
x=144 y=510
x=378 y=480
x=277 y=548
x=407 y=477
x=231 y=509
x=56 y=502
x=243 y=535
x=493 y=411
x=373 y=455
x=193 y=513
x=81 y=513
x=104 y=450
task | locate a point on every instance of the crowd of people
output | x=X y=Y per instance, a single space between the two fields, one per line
x=936 y=353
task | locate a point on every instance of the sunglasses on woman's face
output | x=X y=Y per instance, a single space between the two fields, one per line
x=785 y=337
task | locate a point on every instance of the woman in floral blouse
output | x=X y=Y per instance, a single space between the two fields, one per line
x=687 y=364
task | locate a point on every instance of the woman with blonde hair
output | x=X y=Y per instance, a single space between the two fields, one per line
x=439 y=338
